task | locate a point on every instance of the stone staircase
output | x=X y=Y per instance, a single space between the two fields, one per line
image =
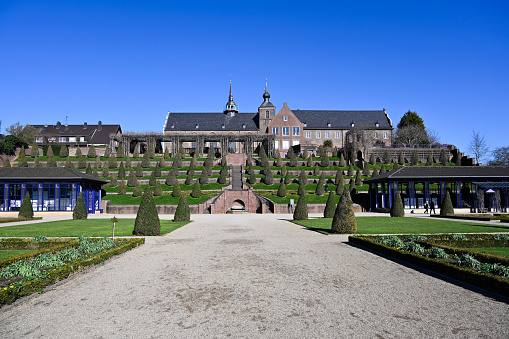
x=236 y=179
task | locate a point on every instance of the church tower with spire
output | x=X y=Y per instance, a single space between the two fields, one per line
x=230 y=109
x=266 y=111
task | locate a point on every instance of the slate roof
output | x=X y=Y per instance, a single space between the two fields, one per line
x=316 y=119
x=46 y=173
x=211 y=122
x=95 y=136
x=444 y=173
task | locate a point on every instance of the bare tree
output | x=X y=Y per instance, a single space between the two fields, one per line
x=412 y=134
x=478 y=146
x=500 y=157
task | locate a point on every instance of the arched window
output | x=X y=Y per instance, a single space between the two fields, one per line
x=267 y=115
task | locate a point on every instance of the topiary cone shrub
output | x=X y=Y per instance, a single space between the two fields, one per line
x=447 y=208
x=281 y=191
x=330 y=206
x=320 y=190
x=196 y=193
x=397 y=209
x=137 y=192
x=132 y=180
x=177 y=192
x=344 y=216
x=147 y=220
x=121 y=188
x=80 y=209
x=301 y=210
x=182 y=212
x=170 y=178
x=158 y=190
x=26 y=210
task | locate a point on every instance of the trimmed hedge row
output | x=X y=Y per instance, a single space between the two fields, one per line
x=10 y=295
x=489 y=282
x=40 y=247
x=19 y=219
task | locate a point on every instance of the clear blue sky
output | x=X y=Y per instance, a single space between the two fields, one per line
x=130 y=62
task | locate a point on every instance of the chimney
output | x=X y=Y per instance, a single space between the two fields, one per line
x=99 y=125
x=85 y=125
x=58 y=124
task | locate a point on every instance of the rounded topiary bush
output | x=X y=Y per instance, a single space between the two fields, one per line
x=397 y=209
x=80 y=209
x=147 y=220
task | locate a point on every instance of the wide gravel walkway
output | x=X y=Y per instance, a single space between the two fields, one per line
x=254 y=276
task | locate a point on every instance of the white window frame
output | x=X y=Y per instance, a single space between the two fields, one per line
x=338 y=136
x=275 y=130
x=286 y=144
x=295 y=142
x=318 y=135
x=285 y=118
x=72 y=139
x=82 y=139
x=276 y=144
x=327 y=135
x=376 y=135
x=39 y=139
x=62 y=139
x=386 y=135
x=296 y=129
x=286 y=131
x=308 y=135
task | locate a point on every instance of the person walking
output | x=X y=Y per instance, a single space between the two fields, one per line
x=426 y=206
x=432 y=207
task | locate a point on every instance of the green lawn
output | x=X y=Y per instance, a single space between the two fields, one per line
x=76 y=228
x=4 y=254
x=128 y=199
x=387 y=225
x=504 y=251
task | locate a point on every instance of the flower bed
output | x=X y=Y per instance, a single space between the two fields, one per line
x=42 y=268
x=487 y=271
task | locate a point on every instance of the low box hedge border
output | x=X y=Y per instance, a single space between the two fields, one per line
x=19 y=219
x=488 y=282
x=10 y=295
x=39 y=247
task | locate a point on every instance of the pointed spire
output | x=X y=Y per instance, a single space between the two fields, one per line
x=230 y=107
x=266 y=97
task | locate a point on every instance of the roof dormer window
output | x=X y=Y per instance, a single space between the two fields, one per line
x=352 y=124
x=222 y=126
x=328 y=124
x=197 y=125
x=377 y=124
x=244 y=126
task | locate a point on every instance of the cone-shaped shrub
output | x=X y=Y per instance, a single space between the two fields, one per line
x=375 y=173
x=136 y=152
x=252 y=176
x=382 y=169
x=290 y=154
x=301 y=190
x=157 y=171
x=78 y=152
x=121 y=171
x=288 y=179
x=120 y=151
x=49 y=152
x=303 y=177
x=344 y=221
x=64 y=151
x=97 y=164
x=112 y=161
x=89 y=169
x=80 y=209
x=351 y=185
x=366 y=171
x=325 y=162
x=158 y=190
x=166 y=153
x=339 y=188
x=330 y=206
x=182 y=212
x=7 y=162
x=132 y=180
x=138 y=191
x=429 y=161
x=350 y=172
x=223 y=173
x=301 y=210
x=269 y=179
x=145 y=161
x=176 y=193
x=397 y=209
x=128 y=164
x=82 y=162
x=293 y=161
x=316 y=170
x=91 y=152
x=279 y=161
x=152 y=180
x=34 y=150
x=51 y=162
x=283 y=170
x=106 y=170
x=335 y=152
x=401 y=159
x=107 y=152
x=196 y=192
x=26 y=210
x=372 y=159
x=358 y=179
x=147 y=220
x=151 y=151
x=38 y=164
x=121 y=188
x=281 y=191
x=204 y=177
x=320 y=186
x=162 y=163
x=170 y=178
x=304 y=155
x=447 y=208
x=113 y=181
x=339 y=176
x=342 y=161
x=190 y=175
x=309 y=162
x=443 y=158
x=22 y=160
x=395 y=167
x=414 y=159
x=387 y=157
x=139 y=170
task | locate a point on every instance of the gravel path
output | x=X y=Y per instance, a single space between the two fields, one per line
x=254 y=276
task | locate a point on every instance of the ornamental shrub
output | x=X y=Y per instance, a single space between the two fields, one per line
x=80 y=209
x=301 y=210
x=26 y=210
x=325 y=161
x=366 y=171
x=223 y=173
x=320 y=186
x=309 y=162
x=279 y=161
x=395 y=166
x=151 y=151
x=252 y=176
x=316 y=170
x=49 y=152
x=196 y=193
x=429 y=161
x=391 y=240
x=447 y=208
x=132 y=180
x=350 y=172
x=182 y=212
x=139 y=170
x=22 y=160
x=401 y=159
x=128 y=164
x=158 y=190
x=176 y=193
x=121 y=188
x=335 y=152
x=91 y=152
x=386 y=158
x=97 y=164
x=136 y=152
x=342 y=161
x=170 y=178
x=375 y=173
x=304 y=155
x=138 y=191
x=351 y=185
x=288 y=178
x=145 y=161
x=358 y=179
x=152 y=180
x=382 y=169
x=51 y=162
x=344 y=216
x=121 y=171
x=330 y=206
x=38 y=164
x=89 y=169
x=166 y=154
x=120 y=151
x=64 y=151
x=78 y=152
x=281 y=191
x=82 y=162
x=204 y=177
x=113 y=181
x=269 y=179
x=147 y=220
x=443 y=158
x=107 y=152
x=293 y=159
x=372 y=159
x=34 y=150
x=414 y=159
x=339 y=176
x=162 y=163
x=397 y=209
x=106 y=170
x=303 y=177
x=339 y=188
x=301 y=190
x=112 y=161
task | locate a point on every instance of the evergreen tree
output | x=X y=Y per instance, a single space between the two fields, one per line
x=121 y=188
x=78 y=152
x=358 y=179
x=366 y=171
x=414 y=160
x=288 y=179
x=303 y=177
x=372 y=159
x=121 y=171
x=64 y=151
x=34 y=150
x=350 y=170
x=7 y=162
x=382 y=169
x=395 y=166
x=375 y=173
x=82 y=162
x=309 y=162
x=401 y=159
x=176 y=193
x=112 y=161
x=145 y=161
x=182 y=212
x=26 y=211
x=207 y=164
x=97 y=164
x=80 y=209
x=136 y=152
x=269 y=179
x=339 y=176
x=325 y=162
x=151 y=150
x=223 y=173
x=304 y=155
x=113 y=181
x=320 y=186
x=279 y=161
x=443 y=158
x=351 y=185
x=397 y=209
x=249 y=161
x=339 y=188
x=190 y=176
x=107 y=153
x=166 y=153
x=204 y=177
x=128 y=164
x=132 y=180
x=106 y=170
x=302 y=189
x=147 y=220
x=344 y=221
x=387 y=158
x=252 y=176
x=139 y=170
x=137 y=192
x=120 y=151
x=342 y=161
x=91 y=152
x=320 y=152
x=281 y=191
x=292 y=157
x=335 y=152
x=283 y=170
x=22 y=160
x=447 y=208
x=316 y=170
x=158 y=190
x=95 y=173
x=49 y=152
x=170 y=178
x=51 y=162
x=38 y=164
x=152 y=179
x=157 y=171
x=330 y=206
x=301 y=210
x=196 y=193
x=89 y=169
x=162 y=162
